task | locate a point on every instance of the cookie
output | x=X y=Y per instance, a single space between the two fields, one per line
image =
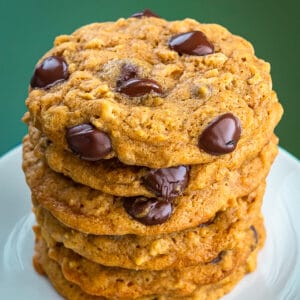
x=153 y=93
x=148 y=149
x=113 y=177
x=98 y=280
x=94 y=212
x=176 y=250
x=71 y=291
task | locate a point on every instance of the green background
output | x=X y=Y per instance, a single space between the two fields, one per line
x=28 y=28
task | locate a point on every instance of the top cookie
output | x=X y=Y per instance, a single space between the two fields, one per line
x=152 y=93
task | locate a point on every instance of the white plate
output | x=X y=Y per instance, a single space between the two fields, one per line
x=277 y=276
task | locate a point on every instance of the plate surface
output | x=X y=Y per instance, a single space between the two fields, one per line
x=276 y=278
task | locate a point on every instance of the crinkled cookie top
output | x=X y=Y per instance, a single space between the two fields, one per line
x=152 y=92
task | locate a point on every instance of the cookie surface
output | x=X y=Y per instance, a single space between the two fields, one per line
x=113 y=177
x=148 y=149
x=71 y=291
x=108 y=63
x=99 y=280
x=175 y=250
x=92 y=211
x=77 y=270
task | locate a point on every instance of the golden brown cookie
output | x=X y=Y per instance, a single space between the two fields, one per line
x=112 y=282
x=113 y=177
x=92 y=211
x=135 y=92
x=176 y=250
x=71 y=291
x=149 y=145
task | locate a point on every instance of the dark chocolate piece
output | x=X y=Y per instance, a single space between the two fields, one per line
x=148 y=211
x=136 y=87
x=167 y=182
x=50 y=71
x=128 y=71
x=255 y=235
x=192 y=43
x=218 y=258
x=221 y=135
x=145 y=13
x=88 y=142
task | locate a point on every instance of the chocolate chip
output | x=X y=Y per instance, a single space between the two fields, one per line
x=128 y=71
x=221 y=135
x=207 y=223
x=255 y=235
x=167 y=182
x=218 y=258
x=192 y=42
x=145 y=13
x=88 y=142
x=49 y=72
x=149 y=211
x=136 y=87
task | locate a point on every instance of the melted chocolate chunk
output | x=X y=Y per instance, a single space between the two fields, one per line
x=207 y=223
x=212 y=220
x=148 y=211
x=145 y=13
x=221 y=135
x=49 y=72
x=128 y=71
x=88 y=142
x=255 y=235
x=136 y=87
x=218 y=258
x=167 y=182
x=193 y=43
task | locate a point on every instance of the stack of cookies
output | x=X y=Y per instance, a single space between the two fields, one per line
x=148 y=148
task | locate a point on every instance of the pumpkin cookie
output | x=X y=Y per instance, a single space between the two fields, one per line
x=157 y=252
x=94 y=212
x=153 y=93
x=70 y=286
x=115 y=178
